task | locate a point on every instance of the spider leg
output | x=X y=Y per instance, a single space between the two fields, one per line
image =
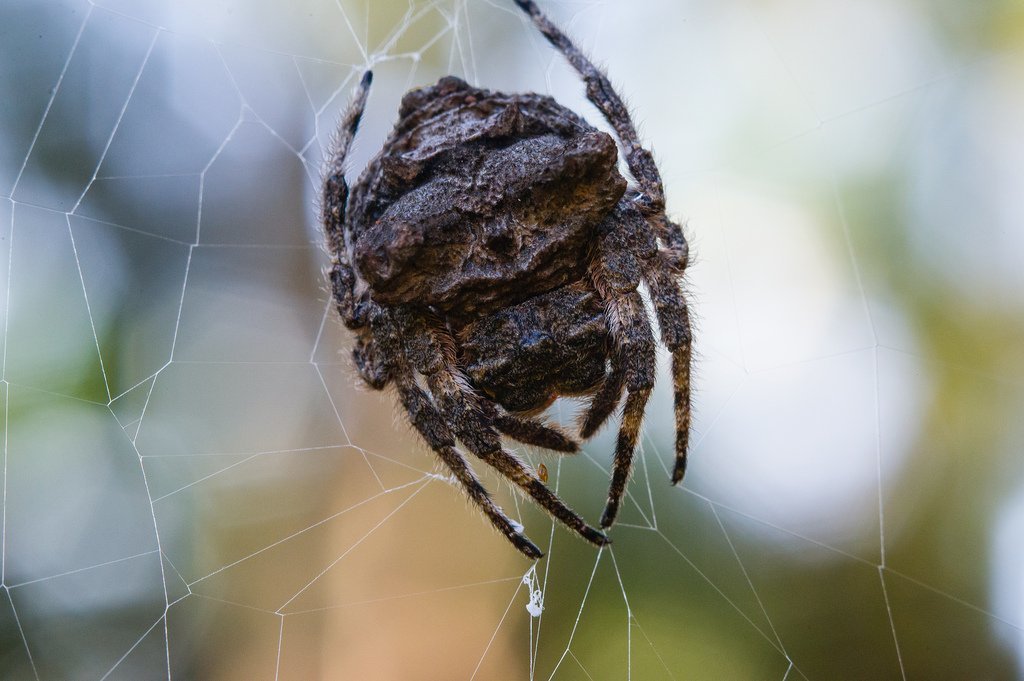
x=601 y=93
x=430 y=424
x=456 y=401
x=636 y=349
x=372 y=369
x=334 y=205
x=625 y=240
x=529 y=431
x=676 y=253
x=661 y=273
x=605 y=400
x=343 y=278
x=433 y=356
x=673 y=317
x=439 y=352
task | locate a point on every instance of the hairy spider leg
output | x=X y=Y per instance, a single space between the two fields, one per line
x=529 y=431
x=651 y=202
x=624 y=241
x=483 y=442
x=430 y=424
x=604 y=401
x=661 y=274
x=353 y=311
x=431 y=351
x=335 y=202
x=368 y=362
x=431 y=339
x=636 y=350
x=601 y=93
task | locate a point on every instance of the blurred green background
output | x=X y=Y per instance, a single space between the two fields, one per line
x=195 y=487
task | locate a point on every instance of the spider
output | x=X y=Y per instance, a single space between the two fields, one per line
x=488 y=260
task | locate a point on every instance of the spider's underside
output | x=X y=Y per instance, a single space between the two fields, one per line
x=491 y=252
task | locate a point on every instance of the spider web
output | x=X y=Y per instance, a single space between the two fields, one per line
x=194 y=486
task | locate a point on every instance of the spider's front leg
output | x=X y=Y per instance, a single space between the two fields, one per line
x=432 y=353
x=434 y=349
x=353 y=309
x=334 y=206
x=431 y=425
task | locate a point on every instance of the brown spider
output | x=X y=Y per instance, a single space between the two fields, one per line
x=492 y=252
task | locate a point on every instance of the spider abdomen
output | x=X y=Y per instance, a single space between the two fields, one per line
x=490 y=227
x=481 y=199
x=526 y=355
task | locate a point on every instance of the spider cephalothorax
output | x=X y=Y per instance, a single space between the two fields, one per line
x=492 y=252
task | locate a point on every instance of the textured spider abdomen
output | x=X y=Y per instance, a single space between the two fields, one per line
x=480 y=200
x=526 y=355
